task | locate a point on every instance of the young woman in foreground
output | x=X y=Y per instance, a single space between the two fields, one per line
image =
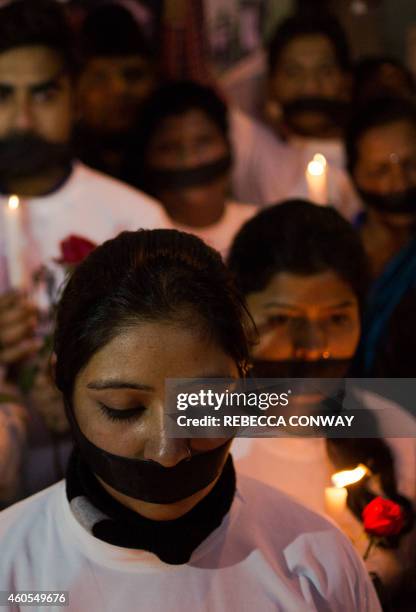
x=143 y=521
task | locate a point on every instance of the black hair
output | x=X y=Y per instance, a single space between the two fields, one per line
x=305 y=25
x=111 y=30
x=148 y=275
x=366 y=73
x=170 y=99
x=303 y=238
x=26 y=23
x=375 y=113
x=299 y=237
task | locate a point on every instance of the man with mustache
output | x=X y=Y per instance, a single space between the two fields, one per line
x=308 y=90
x=59 y=196
x=308 y=78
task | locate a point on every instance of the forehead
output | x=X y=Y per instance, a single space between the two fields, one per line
x=308 y=50
x=318 y=289
x=153 y=351
x=27 y=66
x=380 y=141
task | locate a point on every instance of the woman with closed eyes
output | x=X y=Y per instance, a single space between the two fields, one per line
x=144 y=521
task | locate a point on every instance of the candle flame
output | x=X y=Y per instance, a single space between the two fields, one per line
x=14 y=202
x=320 y=158
x=349 y=477
x=316 y=167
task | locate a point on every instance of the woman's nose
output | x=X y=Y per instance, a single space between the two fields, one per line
x=165 y=450
x=310 y=342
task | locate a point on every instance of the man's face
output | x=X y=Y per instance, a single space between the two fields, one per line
x=307 y=68
x=35 y=95
x=386 y=164
x=111 y=91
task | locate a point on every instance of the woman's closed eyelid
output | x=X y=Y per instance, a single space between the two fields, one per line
x=121 y=414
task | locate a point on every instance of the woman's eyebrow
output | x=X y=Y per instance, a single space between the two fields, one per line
x=114 y=383
x=281 y=305
x=344 y=304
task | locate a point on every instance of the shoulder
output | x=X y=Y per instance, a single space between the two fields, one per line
x=243 y=125
x=27 y=515
x=313 y=550
x=103 y=191
x=241 y=212
x=278 y=507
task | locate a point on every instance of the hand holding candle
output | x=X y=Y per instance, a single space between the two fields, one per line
x=317 y=179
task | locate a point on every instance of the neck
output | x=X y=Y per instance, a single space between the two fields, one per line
x=38 y=185
x=201 y=216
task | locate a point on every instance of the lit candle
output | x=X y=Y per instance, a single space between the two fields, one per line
x=335 y=501
x=336 y=496
x=317 y=179
x=14 y=242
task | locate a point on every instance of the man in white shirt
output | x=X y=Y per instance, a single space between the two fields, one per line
x=59 y=196
x=308 y=98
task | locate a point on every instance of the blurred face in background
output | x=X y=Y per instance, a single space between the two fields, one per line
x=36 y=111
x=307 y=318
x=308 y=69
x=184 y=144
x=386 y=170
x=111 y=91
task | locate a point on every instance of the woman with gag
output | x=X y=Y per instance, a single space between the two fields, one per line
x=144 y=521
x=181 y=154
x=303 y=271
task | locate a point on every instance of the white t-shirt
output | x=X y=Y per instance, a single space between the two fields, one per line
x=269 y=554
x=265 y=169
x=301 y=468
x=220 y=235
x=89 y=204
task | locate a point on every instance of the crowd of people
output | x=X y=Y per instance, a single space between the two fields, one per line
x=162 y=233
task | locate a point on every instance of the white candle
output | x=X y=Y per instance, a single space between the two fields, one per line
x=14 y=242
x=317 y=179
x=336 y=497
x=335 y=501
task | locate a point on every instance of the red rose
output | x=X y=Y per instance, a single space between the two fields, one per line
x=382 y=517
x=74 y=249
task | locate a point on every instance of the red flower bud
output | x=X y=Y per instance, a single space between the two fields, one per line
x=74 y=249
x=382 y=517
